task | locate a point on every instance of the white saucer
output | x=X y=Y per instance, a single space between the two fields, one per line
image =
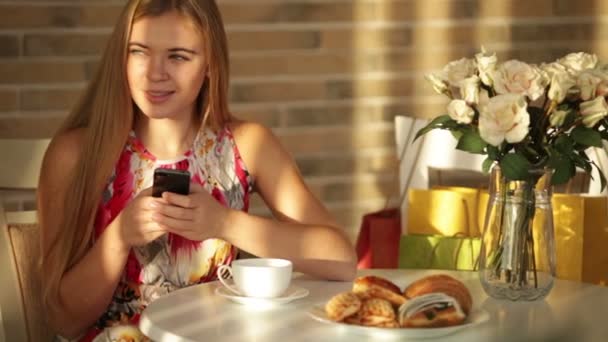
x=291 y=294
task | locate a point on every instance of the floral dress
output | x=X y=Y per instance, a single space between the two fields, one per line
x=170 y=262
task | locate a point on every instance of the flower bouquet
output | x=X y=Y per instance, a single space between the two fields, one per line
x=535 y=123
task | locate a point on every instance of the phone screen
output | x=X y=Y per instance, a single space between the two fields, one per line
x=176 y=181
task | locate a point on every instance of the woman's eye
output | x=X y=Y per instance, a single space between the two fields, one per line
x=179 y=58
x=136 y=52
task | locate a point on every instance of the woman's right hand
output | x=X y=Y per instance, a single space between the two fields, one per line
x=135 y=224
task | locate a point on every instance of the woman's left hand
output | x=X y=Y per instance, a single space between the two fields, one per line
x=197 y=216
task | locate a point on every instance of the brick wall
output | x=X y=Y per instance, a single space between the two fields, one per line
x=327 y=75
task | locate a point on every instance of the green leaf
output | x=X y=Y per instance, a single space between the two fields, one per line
x=457 y=133
x=515 y=166
x=493 y=152
x=570 y=118
x=437 y=122
x=564 y=169
x=581 y=160
x=471 y=142
x=564 y=144
x=486 y=165
x=586 y=136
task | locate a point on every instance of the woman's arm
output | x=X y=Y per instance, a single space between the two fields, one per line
x=315 y=249
x=86 y=289
x=305 y=232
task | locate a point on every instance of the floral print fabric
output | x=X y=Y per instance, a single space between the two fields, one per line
x=170 y=262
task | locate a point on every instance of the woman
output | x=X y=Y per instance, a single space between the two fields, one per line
x=159 y=100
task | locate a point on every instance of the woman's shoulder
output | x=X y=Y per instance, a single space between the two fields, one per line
x=250 y=132
x=255 y=142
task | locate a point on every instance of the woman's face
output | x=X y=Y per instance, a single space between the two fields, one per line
x=166 y=66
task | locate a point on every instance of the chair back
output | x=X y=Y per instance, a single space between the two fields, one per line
x=21 y=161
x=19 y=171
x=22 y=312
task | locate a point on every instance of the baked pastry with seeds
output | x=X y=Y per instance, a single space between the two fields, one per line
x=342 y=305
x=376 y=312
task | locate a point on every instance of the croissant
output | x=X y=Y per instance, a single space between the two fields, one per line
x=441 y=283
x=377 y=287
x=441 y=315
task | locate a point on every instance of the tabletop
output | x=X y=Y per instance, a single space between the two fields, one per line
x=573 y=311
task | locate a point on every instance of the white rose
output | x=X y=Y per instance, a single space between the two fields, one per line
x=593 y=111
x=587 y=83
x=456 y=71
x=469 y=89
x=515 y=77
x=459 y=111
x=504 y=118
x=561 y=82
x=439 y=85
x=557 y=118
x=486 y=64
x=578 y=61
x=551 y=69
x=484 y=98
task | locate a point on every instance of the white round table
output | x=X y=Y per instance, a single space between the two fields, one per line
x=572 y=312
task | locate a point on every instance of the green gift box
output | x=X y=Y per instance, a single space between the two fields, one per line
x=439 y=252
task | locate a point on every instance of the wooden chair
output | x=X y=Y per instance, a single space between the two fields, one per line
x=21 y=297
x=21 y=311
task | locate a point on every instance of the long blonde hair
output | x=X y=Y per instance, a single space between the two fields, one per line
x=106 y=112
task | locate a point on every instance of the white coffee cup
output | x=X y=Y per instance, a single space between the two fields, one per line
x=258 y=278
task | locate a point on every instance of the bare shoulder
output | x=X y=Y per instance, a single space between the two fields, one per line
x=257 y=144
x=249 y=132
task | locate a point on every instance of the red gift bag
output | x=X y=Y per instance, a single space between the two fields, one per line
x=378 y=240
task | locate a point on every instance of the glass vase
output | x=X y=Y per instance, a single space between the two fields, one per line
x=517 y=259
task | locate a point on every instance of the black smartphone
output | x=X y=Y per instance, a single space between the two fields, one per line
x=176 y=181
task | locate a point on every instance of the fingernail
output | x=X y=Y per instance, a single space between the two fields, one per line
x=153 y=204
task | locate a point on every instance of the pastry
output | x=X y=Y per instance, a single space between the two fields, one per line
x=342 y=305
x=376 y=312
x=432 y=318
x=435 y=301
x=376 y=287
x=441 y=283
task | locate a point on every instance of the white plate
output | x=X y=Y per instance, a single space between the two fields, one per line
x=476 y=317
x=292 y=293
